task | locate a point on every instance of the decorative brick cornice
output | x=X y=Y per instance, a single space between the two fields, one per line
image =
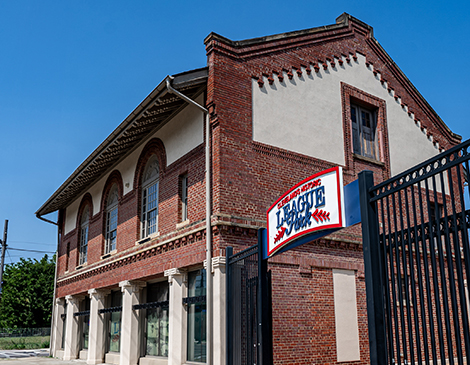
x=330 y=62
x=147 y=250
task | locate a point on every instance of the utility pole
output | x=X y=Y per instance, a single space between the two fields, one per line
x=4 y=248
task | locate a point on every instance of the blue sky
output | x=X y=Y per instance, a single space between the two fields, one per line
x=71 y=71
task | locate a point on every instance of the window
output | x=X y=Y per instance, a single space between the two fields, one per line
x=364 y=126
x=184 y=197
x=150 y=198
x=67 y=256
x=157 y=328
x=365 y=130
x=85 y=325
x=197 y=316
x=64 y=325
x=111 y=219
x=114 y=322
x=84 y=228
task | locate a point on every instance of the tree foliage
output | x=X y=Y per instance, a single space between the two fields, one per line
x=27 y=291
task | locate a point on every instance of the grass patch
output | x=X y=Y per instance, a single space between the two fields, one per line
x=19 y=343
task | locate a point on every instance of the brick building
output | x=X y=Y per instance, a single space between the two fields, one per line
x=131 y=279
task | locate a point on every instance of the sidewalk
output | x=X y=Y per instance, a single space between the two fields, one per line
x=41 y=361
x=33 y=357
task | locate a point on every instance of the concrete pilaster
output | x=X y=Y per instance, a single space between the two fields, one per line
x=71 y=328
x=56 y=343
x=130 y=339
x=97 y=338
x=218 y=321
x=177 y=316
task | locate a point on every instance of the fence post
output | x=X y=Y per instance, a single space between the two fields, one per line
x=228 y=307
x=373 y=271
x=263 y=303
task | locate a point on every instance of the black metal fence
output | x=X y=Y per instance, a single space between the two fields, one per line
x=25 y=332
x=249 y=306
x=242 y=290
x=417 y=262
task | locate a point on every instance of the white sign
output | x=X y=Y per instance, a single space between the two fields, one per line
x=314 y=204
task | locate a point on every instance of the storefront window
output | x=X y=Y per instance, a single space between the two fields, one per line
x=114 y=339
x=85 y=324
x=157 y=320
x=64 y=322
x=197 y=316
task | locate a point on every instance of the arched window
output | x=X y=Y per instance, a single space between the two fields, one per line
x=111 y=219
x=84 y=228
x=150 y=177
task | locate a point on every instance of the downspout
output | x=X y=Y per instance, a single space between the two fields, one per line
x=55 y=281
x=209 y=293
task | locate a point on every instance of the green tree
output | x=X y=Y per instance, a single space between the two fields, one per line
x=27 y=290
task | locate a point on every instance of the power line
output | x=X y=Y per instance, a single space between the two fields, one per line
x=34 y=243
x=22 y=249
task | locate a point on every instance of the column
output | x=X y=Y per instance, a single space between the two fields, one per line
x=56 y=343
x=218 y=320
x=96 y=336
x=130 y=339
x=177 y=316
x=71 y=327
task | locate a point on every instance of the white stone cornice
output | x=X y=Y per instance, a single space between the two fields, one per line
x=218 y=261
x=132 y=286
x=99 y=293
x=171 y=273
x=73 y=299
x=59 y=301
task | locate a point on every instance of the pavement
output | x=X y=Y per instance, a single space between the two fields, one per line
x=33 y=357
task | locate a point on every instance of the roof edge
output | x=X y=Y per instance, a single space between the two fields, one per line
x=178 y=80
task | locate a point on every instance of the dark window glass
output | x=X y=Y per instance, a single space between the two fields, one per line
x=197 y=317
x=157 y=320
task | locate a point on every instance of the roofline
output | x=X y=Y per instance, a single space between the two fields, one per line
x=178 y=80
x=345 y=20
x=341 y=22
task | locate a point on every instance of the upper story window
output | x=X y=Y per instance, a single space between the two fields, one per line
x=184 y=197
x=364 y=132
x=84 y=228
x=111 y=219
x=150 y=197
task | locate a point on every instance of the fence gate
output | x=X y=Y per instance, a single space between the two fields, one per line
x=417 y=262
x=248 y=305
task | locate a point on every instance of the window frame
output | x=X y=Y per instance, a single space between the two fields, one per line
x=352 y=96
x=150 y=187
x=112 y=211
x=183 y=188
x=84 y=236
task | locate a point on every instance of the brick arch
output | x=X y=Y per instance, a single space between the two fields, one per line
x=154 y=147
x=114 y=177
x=87 y=200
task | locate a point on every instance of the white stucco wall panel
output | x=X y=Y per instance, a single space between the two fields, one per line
x=180 y=136
x=304 y=115
x=184 y=133
x=346 y=325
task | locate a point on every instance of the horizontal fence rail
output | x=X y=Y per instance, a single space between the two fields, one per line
x=25 y=332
